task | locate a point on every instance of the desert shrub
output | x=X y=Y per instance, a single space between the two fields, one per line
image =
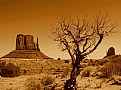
x=47 y=80
x=116 y=59
x=66 y=72
x=111 y=68
x=105 y=72
x=102 y=62
x=92 y=62
x=33 y=83
x=2 y=64
x=10 y=70
x=83 y=65
x=85 y=73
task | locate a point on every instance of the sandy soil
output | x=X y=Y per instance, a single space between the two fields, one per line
x=18 y=83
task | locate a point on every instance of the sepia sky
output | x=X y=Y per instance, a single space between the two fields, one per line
x=35 y=17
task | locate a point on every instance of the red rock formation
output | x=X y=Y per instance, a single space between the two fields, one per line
x=26 y=42
x=26 y=48
x=29 y=43
x=111 y=51
x=20 y=42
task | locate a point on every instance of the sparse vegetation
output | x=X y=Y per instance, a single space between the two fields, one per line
x=47 y=80
x=10 y=70
x=33 y=83
x=2 y=64
x=85 y=73
x=102 y=62
x=113 y=67
x=89 y=78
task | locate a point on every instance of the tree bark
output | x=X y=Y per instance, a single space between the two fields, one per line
x=71 y=83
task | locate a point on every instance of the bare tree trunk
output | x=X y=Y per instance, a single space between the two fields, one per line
x=71 y=83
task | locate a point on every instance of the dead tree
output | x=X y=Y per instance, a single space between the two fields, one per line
x=80 y=38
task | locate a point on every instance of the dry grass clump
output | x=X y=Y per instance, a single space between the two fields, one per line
x=92 y=62
x=33 y=83
x=47 y=80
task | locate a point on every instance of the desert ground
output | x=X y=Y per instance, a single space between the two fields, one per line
x=102 y=74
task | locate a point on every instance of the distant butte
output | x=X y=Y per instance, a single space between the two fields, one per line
x=26 y=48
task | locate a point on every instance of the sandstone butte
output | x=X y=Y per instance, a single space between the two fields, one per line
x=26 y=48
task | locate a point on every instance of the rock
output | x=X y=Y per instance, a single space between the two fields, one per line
x=38 y=45
x=20 y=42
x=26 y=48
x=26 y=42
x=111 y=51
x=29 y=43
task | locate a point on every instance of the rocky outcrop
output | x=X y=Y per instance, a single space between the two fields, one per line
x=26 y=42
x=26 y=48
x=111 y=51
x=28 y=54
x=20 y=42
x=29 y=43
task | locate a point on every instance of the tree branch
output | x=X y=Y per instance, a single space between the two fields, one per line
x=99 y=41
